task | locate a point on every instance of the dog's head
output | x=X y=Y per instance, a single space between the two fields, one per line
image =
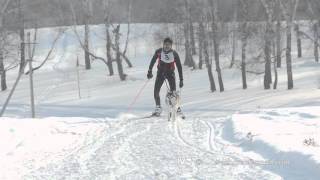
x=172 y=98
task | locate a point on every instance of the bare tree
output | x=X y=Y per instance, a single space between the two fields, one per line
x=234 y=31
x=314 y=8
x=269 y=7
x=22 y=38
x=3 y=73
x=316 y=41
x=200 y=42
x=278 y=34
x=244 y=36
x=75 y=22
x=118 y=57
x=108 y=38
x=297 y=30
x=4 y=5
x=128 y=33
x=203 y=37
x=188 y=49
x=275 y=83
x=87 y=7
x=289 y=8
x=59 y=34
x=215 y=38
x=192 y=39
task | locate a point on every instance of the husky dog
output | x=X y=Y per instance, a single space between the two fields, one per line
x=173 y=102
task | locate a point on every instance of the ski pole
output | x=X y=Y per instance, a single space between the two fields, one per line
x=137 y=96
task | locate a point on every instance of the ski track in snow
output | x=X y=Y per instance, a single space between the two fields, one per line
x=152 y=148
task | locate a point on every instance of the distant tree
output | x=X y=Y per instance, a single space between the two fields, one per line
x=289 y=8
x=235 y=6
x=278 y=33
x=108 y=38
x=22 y=37
x=298 y=37
x=129 y=13
x=269 y=8
x=200 y=42
x=314 y=11
x=87 y=10
x=188 y=48
x=109 y=45
x=118 y=57
x=192 y=32
x=2 y=72
x=215 y=38
x=3 y=8
x=316 y=41
x=204 y=38
x=244 y=39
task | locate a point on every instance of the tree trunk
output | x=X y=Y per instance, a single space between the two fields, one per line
x=274 y=53
x=243 y=55
x=2 y=73
x=244 y=41
x=234 y=30
x=86 y=46
x=127 y=60
x=118 y=58
x=108 y=50
x=200 y=38
x=191 y=29
x=188 y=49
x=202 y=35
x=216 y=44
x=217 y=61
x=188 y=56
x=316 y=42
x=193 y=43
x=234 y=44
x=22 y=50
x=186 y=46
x=288 y=56
x=22 y=39
x=267 y=52
x=278 y=36
x=297 y=29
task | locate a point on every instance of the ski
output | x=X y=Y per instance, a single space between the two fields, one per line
x=143 y=117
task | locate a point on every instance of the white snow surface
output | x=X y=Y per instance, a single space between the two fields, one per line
x=286 y=137
x=95 y=136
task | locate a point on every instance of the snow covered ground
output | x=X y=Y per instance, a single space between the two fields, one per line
x=237 y=134
x=287 y=139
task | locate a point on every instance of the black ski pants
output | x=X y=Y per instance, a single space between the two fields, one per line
x=161 y=77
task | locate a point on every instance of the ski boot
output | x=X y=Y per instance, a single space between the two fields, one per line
x=157 y=112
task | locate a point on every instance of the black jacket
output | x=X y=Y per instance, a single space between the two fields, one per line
x=165 y=67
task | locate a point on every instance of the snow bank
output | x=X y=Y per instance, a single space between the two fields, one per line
x=289 y=139
x=27 y=144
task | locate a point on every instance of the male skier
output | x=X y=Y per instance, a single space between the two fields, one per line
x=167 y=60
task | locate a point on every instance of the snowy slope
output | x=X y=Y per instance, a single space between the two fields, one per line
x=287 y=138
x=110 y=142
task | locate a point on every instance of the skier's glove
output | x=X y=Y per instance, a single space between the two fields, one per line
x=149 y=75
x=181 y=83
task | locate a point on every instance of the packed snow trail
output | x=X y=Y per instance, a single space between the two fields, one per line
x=151 y=149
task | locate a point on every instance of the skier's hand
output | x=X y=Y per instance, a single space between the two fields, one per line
x=181 y=83
x=149 y=75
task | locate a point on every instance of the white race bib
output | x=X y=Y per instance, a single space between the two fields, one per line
x=167 y=57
